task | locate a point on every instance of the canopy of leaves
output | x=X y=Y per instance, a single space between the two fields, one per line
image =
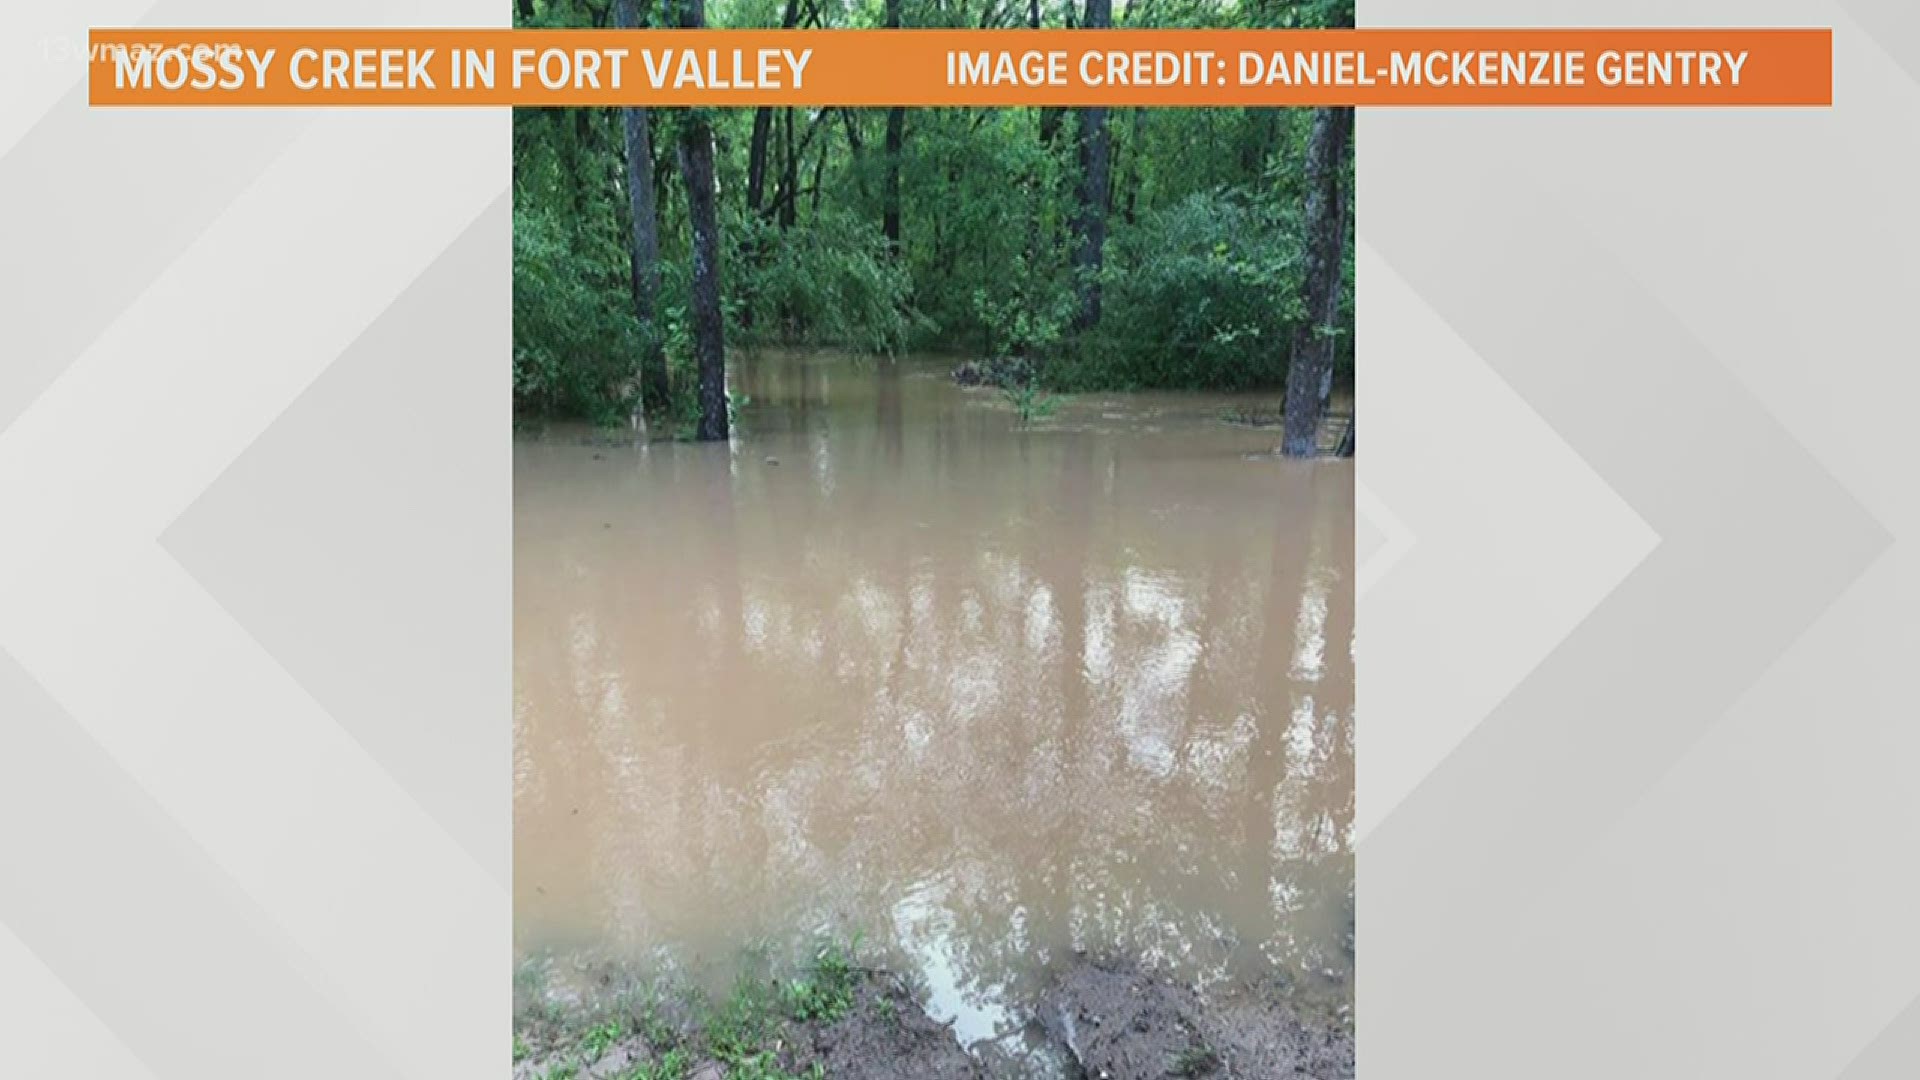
x=1202 y=275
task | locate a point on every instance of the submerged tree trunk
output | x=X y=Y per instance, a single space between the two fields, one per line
x=644 y=252
x=709 y=346
x=1310 y=367
x=896 y=134
x=1092 y=226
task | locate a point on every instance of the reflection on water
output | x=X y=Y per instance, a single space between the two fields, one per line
x=890 y=665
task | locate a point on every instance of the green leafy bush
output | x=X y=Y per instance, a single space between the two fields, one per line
x=827 y=280
x=576 y=343
x=1203 y=294
x=1027 y=314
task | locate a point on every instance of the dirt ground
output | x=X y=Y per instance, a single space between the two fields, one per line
x=882 y=1034
x=1111 y=1021
x=886 y=1034
x=1119 y=1023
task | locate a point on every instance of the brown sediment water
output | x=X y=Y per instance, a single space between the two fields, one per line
x=894 y=664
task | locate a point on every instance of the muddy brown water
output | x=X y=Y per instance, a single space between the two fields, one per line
x=892 y=664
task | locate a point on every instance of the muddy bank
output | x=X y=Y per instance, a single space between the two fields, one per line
x=1118 y=1023
x=1098 y=1021
x=866 y=1026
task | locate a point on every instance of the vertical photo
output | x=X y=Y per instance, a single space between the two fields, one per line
x=933 y=578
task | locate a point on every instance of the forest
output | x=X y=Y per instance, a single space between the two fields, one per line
x=1071 y=249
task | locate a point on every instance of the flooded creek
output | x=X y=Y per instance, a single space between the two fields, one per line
x=892 y=664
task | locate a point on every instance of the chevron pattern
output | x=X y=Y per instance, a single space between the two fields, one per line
x=1634 y=769
x=239 y=843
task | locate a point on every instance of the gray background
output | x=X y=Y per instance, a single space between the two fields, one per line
x=1637 y=756
x=1637 y=752
x=255 y=479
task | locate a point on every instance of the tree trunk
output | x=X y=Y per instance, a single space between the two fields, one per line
x=644 y=253
x=1032 y=179
x=757 y=158
x=819 y=172
x=789 y=175
x=896 y=132
x=1092 y=226
x=763 y=130
x=709 y=346
x=1310 y=367
x=1132 y=180
x=856 y=151
x=890 y=209
x=756 y=195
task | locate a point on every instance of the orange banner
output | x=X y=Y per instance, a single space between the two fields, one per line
x=375 y=67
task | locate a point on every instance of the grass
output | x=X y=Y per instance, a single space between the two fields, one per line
x=741 y=1031
x=654 y=1027
x=825 y=992
x=765 y=1065
x=600 y=1038
x=673 y=1065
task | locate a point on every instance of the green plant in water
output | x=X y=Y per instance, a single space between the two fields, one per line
x=1029 y=402
x=825 y=993
x=655 y=1028
x=736 y=1028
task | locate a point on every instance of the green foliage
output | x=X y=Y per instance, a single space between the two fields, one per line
x=576 y=344
x=825 y=992
x=765 y=1065
x=600 y=1038
x=1204 y=294
x=1029 y=316
x=1202 y=284
x=1029 y=402
x=829 y=280
x=673 y=1065
x=742 y=1023
x=655 y=1027
x=985 y=207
